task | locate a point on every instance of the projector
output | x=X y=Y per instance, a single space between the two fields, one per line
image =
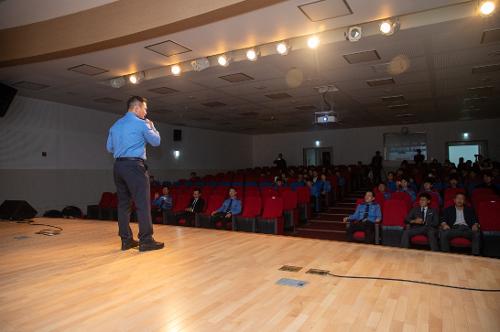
x=326 y=118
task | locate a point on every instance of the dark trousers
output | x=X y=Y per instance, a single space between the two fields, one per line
x=460 y=231
x=188 y=216
x=431 y=233
x=365 y=226
x=132 y=182
x=220 y=216
x=168 y=217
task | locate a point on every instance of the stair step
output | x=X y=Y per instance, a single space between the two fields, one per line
x=307 y=229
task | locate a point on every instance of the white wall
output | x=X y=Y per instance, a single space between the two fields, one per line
x=351 y=145
x=78 y=168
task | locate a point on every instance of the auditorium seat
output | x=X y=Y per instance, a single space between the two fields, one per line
x=359 y=236
x=489 y=219
x=290 y=210
x=395 y=211
x=482 y=194
x=434 y=204
x=252 y=207
x=304 y=203
x=449 y=193
x=402 y=196
x=212 y=202
x=271 y=221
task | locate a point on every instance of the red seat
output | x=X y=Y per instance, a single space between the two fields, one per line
x=180 y=202
x=252 y=206
x=291 y=212
x=461 y=242
x=395 y=211
x=214 y=202
x=359 y=235
x=482 y=194
x=304 y=203
x=271 y=220
x=420 y=239
x=450 y=193
x=403 y=197
x=434 y=204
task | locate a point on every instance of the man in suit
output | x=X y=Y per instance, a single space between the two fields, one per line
x=195 y=206
x=460 y=221
x=422 y=220
x=364 y=218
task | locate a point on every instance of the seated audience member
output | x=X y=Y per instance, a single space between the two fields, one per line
x=300 y=180
x=391 y=182
x=195 y=206
x=327 y=186
x=231 y=207
x=163 y=204
x=315 y=189
x=459 y=221
x=278 y=184
x=488 y=183
x=453 y=183
x=341 y=182
x=382 y=188
x=427 y=188
x=193 y=176
x=403 y=187
x=315 y=176
x=422 y=220
x=364 y=218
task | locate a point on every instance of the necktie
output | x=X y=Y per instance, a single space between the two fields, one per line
x=229 y=206
x=194 y=203
x=365 y=214
x=423 y=214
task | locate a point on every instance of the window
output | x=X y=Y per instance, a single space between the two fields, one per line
x=404 y=146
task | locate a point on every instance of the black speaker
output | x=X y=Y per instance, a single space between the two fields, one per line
x=7 y=94
x=177 y=135
x=16 y=210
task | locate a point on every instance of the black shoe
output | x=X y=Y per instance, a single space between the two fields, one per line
x=129 y=244
x=151 y=245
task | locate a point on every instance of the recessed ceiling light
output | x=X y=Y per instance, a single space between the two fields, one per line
x=175 y=70
x=388 y=27
x=283 y=48
x=223 y=60
x=252 y=54
x=313 y=42
x=486 y=8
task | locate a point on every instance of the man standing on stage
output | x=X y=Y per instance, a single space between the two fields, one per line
x=127 y=141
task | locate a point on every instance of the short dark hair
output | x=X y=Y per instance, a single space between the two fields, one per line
x=233 y=188
x=197 y=189
x=370 y=191
x=460 y=193
x=425 y=195
x=135 y=99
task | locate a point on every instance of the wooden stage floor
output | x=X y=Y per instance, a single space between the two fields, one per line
x=207 y=280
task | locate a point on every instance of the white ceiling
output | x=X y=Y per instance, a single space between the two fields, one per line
x=15 y=13
x=439 y=58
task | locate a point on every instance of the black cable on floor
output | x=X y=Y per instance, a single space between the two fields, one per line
x=32 y=223
x=414 y=282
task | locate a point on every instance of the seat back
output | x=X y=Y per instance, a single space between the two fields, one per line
x=181 y=201
x=395 y=211
x=106 y=199
x=273 y=207
x=489 y=215
x=214 y=202
x=252 y=206
x=434 y=204
x=290 y=199
x=303 y=195
x=402 y=196
x=450 y=193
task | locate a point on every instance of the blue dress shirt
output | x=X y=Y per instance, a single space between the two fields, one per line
x=163 y=202
x=235 y=206
x=374 y=212
x=129 y=135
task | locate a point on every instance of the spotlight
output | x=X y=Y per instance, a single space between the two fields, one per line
x=283 y=48
x=313 y=42
x=354 y=34
x=252 y=54
x=318 y=143
x=136 y=77
x=486 y=8
x=118 y=82
x=175 y=70
x=177 y=154
x=223 y=60
x=388 y=27
x=466 y=135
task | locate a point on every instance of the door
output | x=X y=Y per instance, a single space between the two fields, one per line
x=318 y=156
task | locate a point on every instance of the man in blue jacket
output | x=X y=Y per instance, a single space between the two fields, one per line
x=364 y=218
x=231 y=207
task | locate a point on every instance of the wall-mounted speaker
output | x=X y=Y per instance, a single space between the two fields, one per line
x=177 y=135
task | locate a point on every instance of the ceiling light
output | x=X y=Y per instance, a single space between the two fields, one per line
x=318 y=143
x=136 y=77
x=354 y=34
x=465 y=135
x=283 y=48
x=486 y=8
x=175 y=70
x=223 y=60
x=177 y=154
x=313 y=42
x=388 y=27
x=252 y=54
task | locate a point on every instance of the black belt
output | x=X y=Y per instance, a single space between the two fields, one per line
x=129 y=159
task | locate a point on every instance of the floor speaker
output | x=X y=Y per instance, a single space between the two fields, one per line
x=16 y=210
